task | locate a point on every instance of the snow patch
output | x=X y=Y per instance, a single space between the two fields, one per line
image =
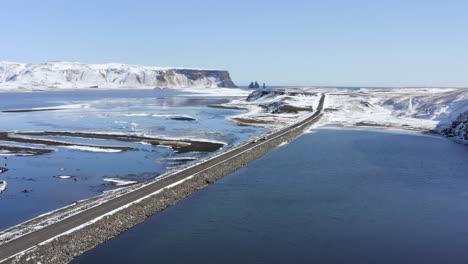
x=119 y=182
x=64 y=177
x=92 y=149
x=137 y=114
x=3 y=185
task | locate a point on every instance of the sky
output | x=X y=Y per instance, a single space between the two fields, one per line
x=294 y=42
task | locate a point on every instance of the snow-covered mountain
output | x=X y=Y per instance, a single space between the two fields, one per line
x=67 y=75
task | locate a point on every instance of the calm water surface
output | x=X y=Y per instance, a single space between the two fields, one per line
x=335 y=196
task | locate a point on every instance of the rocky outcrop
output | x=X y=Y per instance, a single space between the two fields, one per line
x=76 y=75
x=264 y=93
x=223 y=77
x=278 y=101
x=458 y=130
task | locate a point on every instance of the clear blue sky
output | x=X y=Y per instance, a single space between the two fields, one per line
x=355 y=43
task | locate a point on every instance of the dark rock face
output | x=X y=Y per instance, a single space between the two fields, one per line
x=458 y=130
x=272 y=107
x=255 y=85
x=183 y=118
x=223 y=77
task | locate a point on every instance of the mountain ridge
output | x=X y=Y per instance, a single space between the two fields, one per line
x=61 y=74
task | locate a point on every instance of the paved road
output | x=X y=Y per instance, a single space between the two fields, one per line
x=12 y=248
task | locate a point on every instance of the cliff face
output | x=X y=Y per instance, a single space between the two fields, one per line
x=458 y=130
x=223 y=78
x=76 y=75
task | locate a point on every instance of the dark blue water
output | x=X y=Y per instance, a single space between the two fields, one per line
x=334 y=196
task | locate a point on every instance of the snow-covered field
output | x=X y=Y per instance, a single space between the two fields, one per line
x=275 y=108
x=420 y=109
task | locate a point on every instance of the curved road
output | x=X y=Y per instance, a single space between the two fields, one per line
x=14 y=247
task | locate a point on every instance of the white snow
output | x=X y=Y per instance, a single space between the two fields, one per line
x=405 y=108
x=92 y=149
x=186 y=139
x=263 y=107
x=120 y=122
x=3 y=185
x=137 y=114
x=64 y=177
x=160 y=115
x=95 y=148
x=419 y=109
x=174 y=116
x=60 y=107
x=216 y=92
x=119 y=182
x=7 y=154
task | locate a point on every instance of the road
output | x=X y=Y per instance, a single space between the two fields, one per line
x=14 y=247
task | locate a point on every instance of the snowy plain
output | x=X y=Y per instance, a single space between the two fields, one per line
x=419 y=109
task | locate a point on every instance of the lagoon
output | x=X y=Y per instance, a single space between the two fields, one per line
x=332 y=196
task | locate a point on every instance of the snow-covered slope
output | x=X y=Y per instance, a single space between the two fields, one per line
x=68 y=75
x=444 y=110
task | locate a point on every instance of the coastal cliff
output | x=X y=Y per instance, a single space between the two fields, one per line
x=68 y=75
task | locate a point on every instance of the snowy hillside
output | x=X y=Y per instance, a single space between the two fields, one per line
x=67 y=75
x=442 y=110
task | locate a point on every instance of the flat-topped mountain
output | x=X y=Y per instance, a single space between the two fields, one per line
x=68 y=75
